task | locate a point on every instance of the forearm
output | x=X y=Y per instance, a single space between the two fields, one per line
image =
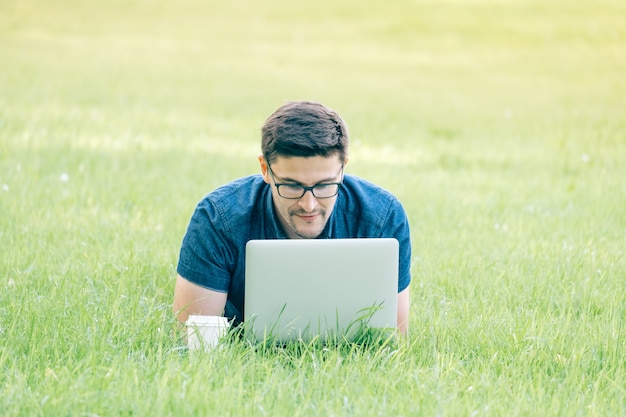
x=403 y=312
x=191 y=299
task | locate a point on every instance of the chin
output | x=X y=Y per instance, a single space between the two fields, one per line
x=308 y=233
x=307 y=230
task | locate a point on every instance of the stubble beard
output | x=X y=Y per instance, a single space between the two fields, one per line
x=320 y=223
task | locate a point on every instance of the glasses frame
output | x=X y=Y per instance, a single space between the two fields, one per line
x=304 y=187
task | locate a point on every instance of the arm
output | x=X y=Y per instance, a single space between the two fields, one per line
x=190 y=298
x=403 y=312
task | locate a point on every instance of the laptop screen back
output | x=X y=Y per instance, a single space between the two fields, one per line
x=319 y=288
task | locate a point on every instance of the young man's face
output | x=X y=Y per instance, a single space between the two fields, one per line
x=306 y=216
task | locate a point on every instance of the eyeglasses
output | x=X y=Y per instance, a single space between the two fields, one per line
x=296 y=191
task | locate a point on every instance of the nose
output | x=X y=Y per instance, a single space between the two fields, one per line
x=308 y=201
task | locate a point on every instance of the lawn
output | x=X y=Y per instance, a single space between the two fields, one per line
x=500 y=124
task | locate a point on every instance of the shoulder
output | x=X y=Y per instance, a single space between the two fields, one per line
x=368 y=209
x=366 y=193
x=234 y=202
x=242 y=193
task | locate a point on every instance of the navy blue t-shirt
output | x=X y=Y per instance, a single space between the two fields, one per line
x=212 y=254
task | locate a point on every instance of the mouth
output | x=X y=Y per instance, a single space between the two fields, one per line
x=308 y=217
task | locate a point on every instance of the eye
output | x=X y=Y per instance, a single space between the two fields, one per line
x=291 y=191
x=323 y=187
x=325 y=190
x=292 y=188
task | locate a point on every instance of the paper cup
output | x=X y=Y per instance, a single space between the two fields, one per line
x=204 y=332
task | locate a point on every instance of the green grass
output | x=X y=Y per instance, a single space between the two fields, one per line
x=500 y=125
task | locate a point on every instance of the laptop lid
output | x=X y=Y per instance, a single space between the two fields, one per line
x=319 y=288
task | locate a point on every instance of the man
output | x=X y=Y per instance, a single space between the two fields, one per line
x=302 y=193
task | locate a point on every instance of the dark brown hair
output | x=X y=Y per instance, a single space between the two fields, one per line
x=304 y=129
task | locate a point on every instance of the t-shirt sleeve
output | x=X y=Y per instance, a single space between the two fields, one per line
x=397 y=226
x=206 y=258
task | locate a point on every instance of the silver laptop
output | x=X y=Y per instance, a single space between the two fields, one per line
x=329 y=289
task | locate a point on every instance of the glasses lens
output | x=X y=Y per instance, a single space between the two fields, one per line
x=325 y=190
x=290 y=191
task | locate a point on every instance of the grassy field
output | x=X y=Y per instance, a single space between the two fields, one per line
x=500 y=124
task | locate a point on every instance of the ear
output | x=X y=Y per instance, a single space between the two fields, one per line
x=264 y=172
x=346 y=160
